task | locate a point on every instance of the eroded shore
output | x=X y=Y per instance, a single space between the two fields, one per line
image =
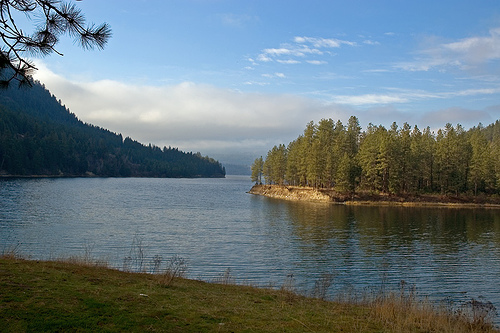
x=309 y=194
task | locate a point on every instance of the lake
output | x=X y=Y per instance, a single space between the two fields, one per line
x=449 y=254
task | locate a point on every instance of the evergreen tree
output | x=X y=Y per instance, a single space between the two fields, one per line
x=340 y=149
x=257 y=169
x=353 y=135
x=293 y=162
x=275 y=165
x=306 y=165
x=39 y=136
x=482 y=172
x=452 y=157
x=326 y=163
x=405 y=169
x=395 y=161
x=374 y=159
x=421 y=161
x=346 y=175
x=495 y=150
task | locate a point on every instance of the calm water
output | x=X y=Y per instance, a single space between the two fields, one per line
x=215 y=225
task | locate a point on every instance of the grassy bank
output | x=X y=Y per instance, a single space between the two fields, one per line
x=63 y=296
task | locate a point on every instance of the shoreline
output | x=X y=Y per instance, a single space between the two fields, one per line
x=93 y=176
x=309 y=194
x=83 y=296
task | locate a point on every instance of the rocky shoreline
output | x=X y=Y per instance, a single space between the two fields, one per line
x=309 y=194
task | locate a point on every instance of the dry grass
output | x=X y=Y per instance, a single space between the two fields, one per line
x=70 y=296
x=403 y=312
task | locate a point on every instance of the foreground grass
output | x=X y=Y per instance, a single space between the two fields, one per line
x=63 y=296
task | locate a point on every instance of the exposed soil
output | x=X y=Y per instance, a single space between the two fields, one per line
x=298 y=193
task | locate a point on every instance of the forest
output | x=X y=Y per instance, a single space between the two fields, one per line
x=396 y=160
x=40 y=136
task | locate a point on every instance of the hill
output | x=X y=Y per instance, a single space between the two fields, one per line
x=40 y=136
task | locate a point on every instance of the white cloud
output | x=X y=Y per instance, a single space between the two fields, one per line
x=264 y=58
x=317 y=62
x=278 y=52
x=288 y=62
x=465 y=54
x=323 y=42
x=397 y=95
x=188 y=115
x=198 y=117
x=256 y=83
x=368 y=99
x=371 y=42
x=275 y=75
x=301 y=48
x=475 y=92
x=379 y=70
x=294 y=51
x=477 y=49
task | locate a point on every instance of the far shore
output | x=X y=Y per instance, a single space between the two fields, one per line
x=309 y=194
x=90 y=175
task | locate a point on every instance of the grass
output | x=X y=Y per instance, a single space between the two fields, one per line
x=49 y=296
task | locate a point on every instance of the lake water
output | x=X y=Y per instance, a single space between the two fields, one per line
x=448 y=254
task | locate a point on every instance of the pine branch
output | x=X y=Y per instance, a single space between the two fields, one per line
x=57 y=18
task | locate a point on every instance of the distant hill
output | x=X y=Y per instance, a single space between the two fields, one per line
x=237 y=169
x=40 y=136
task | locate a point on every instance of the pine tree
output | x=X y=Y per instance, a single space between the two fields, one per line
x=306 y=165
x=398 y=160
x=257 y=169
x=274 y=167
x=452 y=157
x=326 y=164
x=293 y=161
x=346 y=174
x=482 y=172
x=56 y=18
x=372 y=157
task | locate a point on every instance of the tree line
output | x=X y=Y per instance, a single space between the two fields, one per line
x=396 y=160
x=39 y=136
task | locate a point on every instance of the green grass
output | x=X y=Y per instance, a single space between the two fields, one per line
x=41 y=296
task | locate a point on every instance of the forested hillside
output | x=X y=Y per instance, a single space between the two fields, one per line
x=39 y=136
x=398 y=160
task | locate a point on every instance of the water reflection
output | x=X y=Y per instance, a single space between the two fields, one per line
x=445 y=252
x=215 y=225
x=390 y=227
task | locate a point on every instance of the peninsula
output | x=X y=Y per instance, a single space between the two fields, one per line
x=333 y=162
x=309 y=194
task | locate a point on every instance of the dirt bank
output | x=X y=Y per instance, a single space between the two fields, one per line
x=290 y=193
x=298 y=193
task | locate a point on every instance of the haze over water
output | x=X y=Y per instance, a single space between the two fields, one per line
x=448 y=254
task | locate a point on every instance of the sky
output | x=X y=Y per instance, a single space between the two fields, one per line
x=233 y=78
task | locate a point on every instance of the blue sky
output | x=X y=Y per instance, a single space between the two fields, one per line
x=229 y=77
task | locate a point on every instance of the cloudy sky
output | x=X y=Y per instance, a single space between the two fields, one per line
x=225 y=77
